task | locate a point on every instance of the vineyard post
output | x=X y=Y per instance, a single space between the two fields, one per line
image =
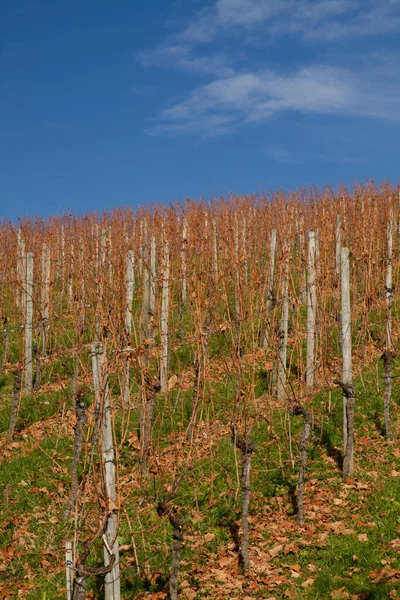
x=244 y=251
x=246 y=446
x=347 y=374
x=237 y=315
x=28 y=303
x=270 y=288
x=183 y=261
x=110 y=262
x=110 y=537
x=152 y=283
x=62 y=257
x=45 y=296
x=70 y=290
x=215 y=250
x=388 y=354
x=283 y=334
x=311 y=314
x=145 y=297
x=164 y=321
x=338 y=242
x=69 y=568
x=130 y=288
x=20 y=294
x=302 y=251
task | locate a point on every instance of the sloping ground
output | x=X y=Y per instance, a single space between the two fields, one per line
x=349 y=546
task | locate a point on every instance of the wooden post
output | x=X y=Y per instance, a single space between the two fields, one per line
x=304 y=437
x=237 y=317
x=270 y=289
x=338 y=242
x=246 y=446
x=62 y=257
x=183 y=261
x=389 y=285
x=302 y=256
x=244 y=251
x=311 y=315
x=388 y=355
x=110 y=537
x=347 y=373
x=215 y=251
x=110 y=263
x=28 y=303
x=130 y=288
x=152 y=297
x=283 y=334
x=236 y=277
x=164 y=321
x=20 y=295
x=145 y=295
x=45 y=296
x=69 y=568
x=70 y=291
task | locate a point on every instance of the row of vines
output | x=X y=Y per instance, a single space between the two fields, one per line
x=159 y=325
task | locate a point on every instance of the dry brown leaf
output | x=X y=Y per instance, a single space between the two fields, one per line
x=54 y=520
x=276 y=550
x=362 y=537
x=378 y=574
x=340 y=593
x=172 y=381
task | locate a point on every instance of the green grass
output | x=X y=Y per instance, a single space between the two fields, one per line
x=34 y=486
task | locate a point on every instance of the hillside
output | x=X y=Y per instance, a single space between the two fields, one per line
x=172 y=390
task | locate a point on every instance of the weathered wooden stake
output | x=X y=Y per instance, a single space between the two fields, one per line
x=347 y=371
x=270 y=289
x=215 y=251
x=164 y=322
x=111 y=547
x=305 y=435
x=81 y=418
x=183 y=261
x=28 y=303
x=283 y=333
x=45 y=296
x=246 y=446
x=311 y=314
x=153 y=280
x=130 y=288
x=338 y=243
x=69 y=568
x=388 y=355
x=20 y=294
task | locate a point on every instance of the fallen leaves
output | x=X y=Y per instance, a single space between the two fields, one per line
x=384 y=574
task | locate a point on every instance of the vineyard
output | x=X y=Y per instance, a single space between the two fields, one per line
x=202 y=400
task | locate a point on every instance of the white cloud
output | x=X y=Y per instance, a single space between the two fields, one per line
x=370 y=88
x=318 y=20
x=217 y=107
x=257 y=96
x=180 y=56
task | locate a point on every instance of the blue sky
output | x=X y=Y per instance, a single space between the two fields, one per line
x=126 y=103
